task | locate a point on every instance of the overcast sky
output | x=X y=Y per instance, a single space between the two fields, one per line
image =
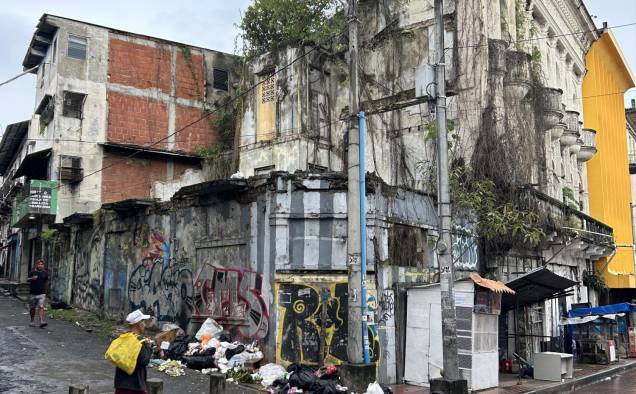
x=209 y=24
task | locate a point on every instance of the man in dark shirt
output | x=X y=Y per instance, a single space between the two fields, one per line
x=37 y=292
x=135 y=383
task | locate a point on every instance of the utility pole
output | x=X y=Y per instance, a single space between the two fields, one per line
x=354 y=313
x=449 y=323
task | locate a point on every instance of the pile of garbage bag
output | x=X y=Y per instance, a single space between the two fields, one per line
x=300 y=379
x=210 y=349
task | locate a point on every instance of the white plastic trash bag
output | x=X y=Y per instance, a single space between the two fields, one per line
x=374 y=388
x=270 y=372
x=209 y=329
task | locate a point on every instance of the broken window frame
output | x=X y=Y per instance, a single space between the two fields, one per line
x=71 y=170
x=67 y=109
x=77 y=47
x=220 y=79
x=46 y=110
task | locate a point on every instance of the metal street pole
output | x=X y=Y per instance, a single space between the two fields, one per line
x=354 y=313
x=449 y=324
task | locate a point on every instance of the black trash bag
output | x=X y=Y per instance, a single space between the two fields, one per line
x=324 y=386
x=386 y=389
x=224 y=336
x=199 y=362
x=179 y=347
x=206 y=352
x=229 y=353
x=303 y=379
x=60 y=305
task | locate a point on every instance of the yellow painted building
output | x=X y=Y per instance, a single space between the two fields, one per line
x=608 y=77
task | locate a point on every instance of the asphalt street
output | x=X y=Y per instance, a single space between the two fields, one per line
x=35 y=360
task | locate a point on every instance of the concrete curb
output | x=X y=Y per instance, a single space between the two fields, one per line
x=568 y=387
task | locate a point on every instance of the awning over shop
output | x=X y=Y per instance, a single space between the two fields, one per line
x=586 y=319
x=34 y=165
x=622 y=307
x=537 y=285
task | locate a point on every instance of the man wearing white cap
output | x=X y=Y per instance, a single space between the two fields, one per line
x=136 y=382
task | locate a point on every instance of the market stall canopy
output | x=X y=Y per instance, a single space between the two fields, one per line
x=537 y=285
x=623 y=307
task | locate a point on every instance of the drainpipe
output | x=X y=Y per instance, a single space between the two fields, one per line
x=363 y=236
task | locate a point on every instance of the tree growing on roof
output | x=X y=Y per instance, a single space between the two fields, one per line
x=269 y=25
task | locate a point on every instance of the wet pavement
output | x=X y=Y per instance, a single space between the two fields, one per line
x=34 y=360
x=623 y=383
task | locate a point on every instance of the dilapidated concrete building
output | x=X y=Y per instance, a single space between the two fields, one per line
x=514 y=74
x=266 y=255
x=108 y=104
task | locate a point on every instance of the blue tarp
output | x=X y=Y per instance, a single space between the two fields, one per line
x=623 y=307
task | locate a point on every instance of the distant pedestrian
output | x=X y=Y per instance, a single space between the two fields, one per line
x=37 y=293
x=135 y=383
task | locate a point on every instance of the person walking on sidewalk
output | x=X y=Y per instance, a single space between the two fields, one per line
x=37 y=293
x=136 y=382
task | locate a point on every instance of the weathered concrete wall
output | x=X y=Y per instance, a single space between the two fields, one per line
x=241 y=251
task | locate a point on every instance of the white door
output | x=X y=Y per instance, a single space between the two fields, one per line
x=423 y=354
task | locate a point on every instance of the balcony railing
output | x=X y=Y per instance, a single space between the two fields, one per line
x=562 y=216
x=36 y=201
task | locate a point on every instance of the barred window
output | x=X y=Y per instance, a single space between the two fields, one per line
x=220 y=79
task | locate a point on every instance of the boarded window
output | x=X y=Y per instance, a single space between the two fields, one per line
x=73 y=104
x=220 y=79
x=76 y=47
x=71 y=169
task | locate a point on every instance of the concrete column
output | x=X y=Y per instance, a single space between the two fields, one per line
x=217 y=383
x=155 y=386
x=77 y=388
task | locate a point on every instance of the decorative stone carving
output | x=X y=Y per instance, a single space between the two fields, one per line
x=588 y=147
x=552 y=114
x=557 y=131
x=517 y=79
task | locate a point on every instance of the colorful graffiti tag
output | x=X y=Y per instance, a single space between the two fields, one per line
x=233 y=297
x=300 y=325
x=160 y=285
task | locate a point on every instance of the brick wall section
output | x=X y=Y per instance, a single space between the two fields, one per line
x=130 y=178
x=200 y=134
x=190 y=76
x=136 y=120
x=139 y=66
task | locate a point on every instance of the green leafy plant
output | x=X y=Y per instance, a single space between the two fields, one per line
x=268 y=25
x=495 y=218
x=594 y=280
x=49 y=235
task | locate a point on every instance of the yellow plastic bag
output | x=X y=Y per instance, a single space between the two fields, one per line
x=123 y=352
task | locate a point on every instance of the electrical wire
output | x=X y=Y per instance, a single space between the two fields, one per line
x=19 y=75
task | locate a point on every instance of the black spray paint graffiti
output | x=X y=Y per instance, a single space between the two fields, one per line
x=161 y=286
x=300 y=325
x=386 y=307
x=87 y=289
x=165 y=292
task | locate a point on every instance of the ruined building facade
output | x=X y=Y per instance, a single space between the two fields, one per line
x=107 y=106
x=265 y=255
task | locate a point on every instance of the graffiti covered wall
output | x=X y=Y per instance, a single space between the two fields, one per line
x=313 y=309
x=234 y=298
